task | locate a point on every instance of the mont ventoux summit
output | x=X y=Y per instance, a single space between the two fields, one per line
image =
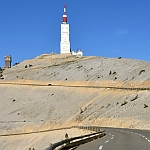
x=61 y=90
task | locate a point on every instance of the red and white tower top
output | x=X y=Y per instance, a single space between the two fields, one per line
x=65 y=15
x=65 y=35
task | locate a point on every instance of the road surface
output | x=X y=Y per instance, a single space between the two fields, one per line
x=120 y=139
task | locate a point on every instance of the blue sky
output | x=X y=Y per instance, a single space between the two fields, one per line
x=108 y=28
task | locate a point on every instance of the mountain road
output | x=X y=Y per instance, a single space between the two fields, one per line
x=120 y=139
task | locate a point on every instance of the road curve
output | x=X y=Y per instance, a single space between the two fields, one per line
x=120 y=139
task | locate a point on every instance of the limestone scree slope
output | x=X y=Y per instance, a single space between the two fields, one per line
x=55 y=91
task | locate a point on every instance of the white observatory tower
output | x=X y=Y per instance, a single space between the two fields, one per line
x=65 y=42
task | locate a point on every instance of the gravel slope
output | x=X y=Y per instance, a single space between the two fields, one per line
x=26 y=108
x=71 y=68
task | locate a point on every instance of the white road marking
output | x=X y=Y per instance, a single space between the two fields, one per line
x=101 y=147
x=107 y=141
x=143 y=137
x=131 y=132
x=140 y=135
x=135 y=133
x=112 y=137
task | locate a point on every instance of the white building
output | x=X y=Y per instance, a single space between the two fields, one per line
x=79 y=53
x=65 y=34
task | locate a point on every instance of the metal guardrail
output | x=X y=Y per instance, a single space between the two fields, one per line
x=80 y=139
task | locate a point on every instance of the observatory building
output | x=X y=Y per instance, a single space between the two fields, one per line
x=65 y=33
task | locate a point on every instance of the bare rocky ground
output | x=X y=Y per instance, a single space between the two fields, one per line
x=38 y=141
x=26 y=108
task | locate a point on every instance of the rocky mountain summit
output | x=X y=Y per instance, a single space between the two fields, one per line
x=52 y=91
x=56 y=91
x=71 y=68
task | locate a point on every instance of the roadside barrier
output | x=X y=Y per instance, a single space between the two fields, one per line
x=76 y=141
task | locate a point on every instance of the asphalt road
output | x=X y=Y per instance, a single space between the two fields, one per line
x=120 y=139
